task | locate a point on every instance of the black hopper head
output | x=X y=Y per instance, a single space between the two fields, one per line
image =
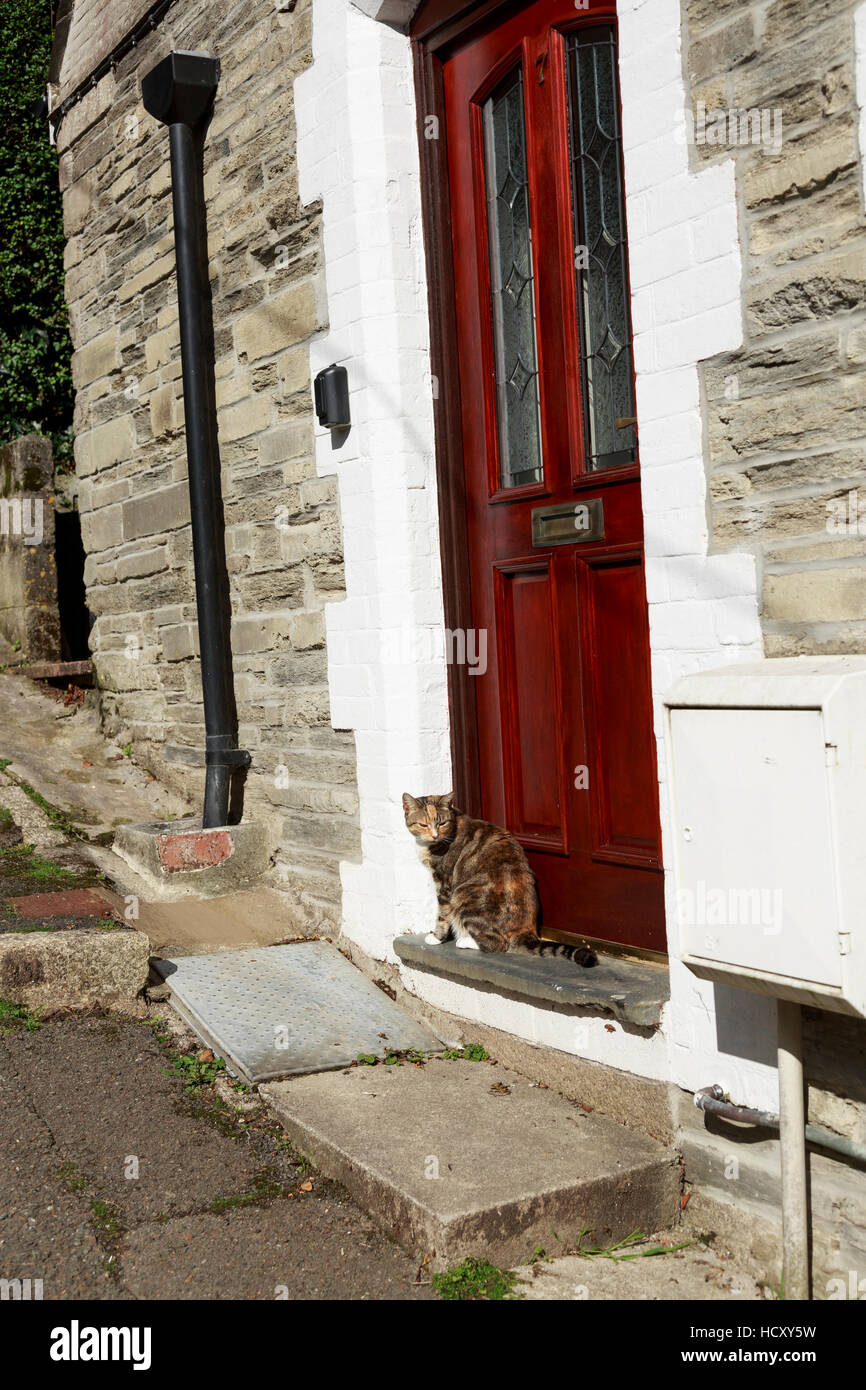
x=180 y=89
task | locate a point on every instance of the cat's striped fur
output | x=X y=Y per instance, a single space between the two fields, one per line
x=484 y=885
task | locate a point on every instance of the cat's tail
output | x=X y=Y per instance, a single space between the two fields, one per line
x=534 y=946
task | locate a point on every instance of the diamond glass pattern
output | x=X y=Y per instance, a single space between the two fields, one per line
x=511 y=285
x=598 y=222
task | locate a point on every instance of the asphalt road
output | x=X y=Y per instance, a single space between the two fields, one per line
x=117 y=1182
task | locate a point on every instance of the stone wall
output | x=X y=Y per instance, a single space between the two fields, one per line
x=786 y=414
x=282 y=525
x=785 y=447
x=95 y=27
x=28 y=572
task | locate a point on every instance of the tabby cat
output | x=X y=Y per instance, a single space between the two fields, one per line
x=485 y=887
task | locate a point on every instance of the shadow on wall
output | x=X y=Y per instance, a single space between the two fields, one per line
x=745 y=1024
x=73 y=613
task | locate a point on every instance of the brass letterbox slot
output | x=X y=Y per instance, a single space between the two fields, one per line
x=569 y=524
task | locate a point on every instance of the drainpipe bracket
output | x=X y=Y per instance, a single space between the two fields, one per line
x=227 y=757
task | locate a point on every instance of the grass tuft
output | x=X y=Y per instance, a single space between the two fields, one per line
x=194 y=1072
x=22 y=861
x=469 y=1052
x=18 y=1014
x=71 y=1179
x=106 y=1220
x=476 y=1280
x=265 y=1185
x=615 y=1251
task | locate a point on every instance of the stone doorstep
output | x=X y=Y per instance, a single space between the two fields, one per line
x=178 y=859
x=633 y=991
x=516 y=1169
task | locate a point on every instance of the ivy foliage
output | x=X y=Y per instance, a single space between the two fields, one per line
x=35 y=349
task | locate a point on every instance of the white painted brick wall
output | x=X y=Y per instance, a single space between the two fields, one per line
x=358 y=152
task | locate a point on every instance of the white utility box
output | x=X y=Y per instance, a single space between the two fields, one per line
x=767 y=765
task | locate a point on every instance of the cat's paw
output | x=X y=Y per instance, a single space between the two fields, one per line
x=432 y=939
x=466 y=943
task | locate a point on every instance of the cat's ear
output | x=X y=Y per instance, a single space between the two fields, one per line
x=448 y=800
x=409 y=803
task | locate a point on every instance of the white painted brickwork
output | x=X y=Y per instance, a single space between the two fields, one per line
x=357 y=151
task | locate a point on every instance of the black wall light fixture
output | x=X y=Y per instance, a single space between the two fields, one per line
x=331 y=391
x=179 y=92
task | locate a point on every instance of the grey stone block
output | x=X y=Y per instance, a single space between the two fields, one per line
x=73 y=969
x=178 y=859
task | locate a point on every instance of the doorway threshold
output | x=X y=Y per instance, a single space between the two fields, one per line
x=631 y=990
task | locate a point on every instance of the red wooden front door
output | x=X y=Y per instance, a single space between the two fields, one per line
x=565 y=739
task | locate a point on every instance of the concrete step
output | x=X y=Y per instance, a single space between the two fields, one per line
x=458 y=1158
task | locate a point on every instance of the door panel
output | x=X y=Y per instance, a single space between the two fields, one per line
x=528 y=676
x=613 y=603
x=554 y=523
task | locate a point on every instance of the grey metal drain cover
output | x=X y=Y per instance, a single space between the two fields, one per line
x=286 y=1010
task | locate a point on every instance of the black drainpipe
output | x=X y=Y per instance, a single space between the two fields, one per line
x=179 y=91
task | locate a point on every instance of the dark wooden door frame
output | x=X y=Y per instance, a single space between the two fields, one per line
x=438 y=28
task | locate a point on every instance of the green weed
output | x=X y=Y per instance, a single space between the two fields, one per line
x=476 y=1280
x=18 y=1014
x=612 y=1252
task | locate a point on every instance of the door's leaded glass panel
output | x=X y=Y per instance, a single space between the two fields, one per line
x=598 y=221
x=511 y=285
